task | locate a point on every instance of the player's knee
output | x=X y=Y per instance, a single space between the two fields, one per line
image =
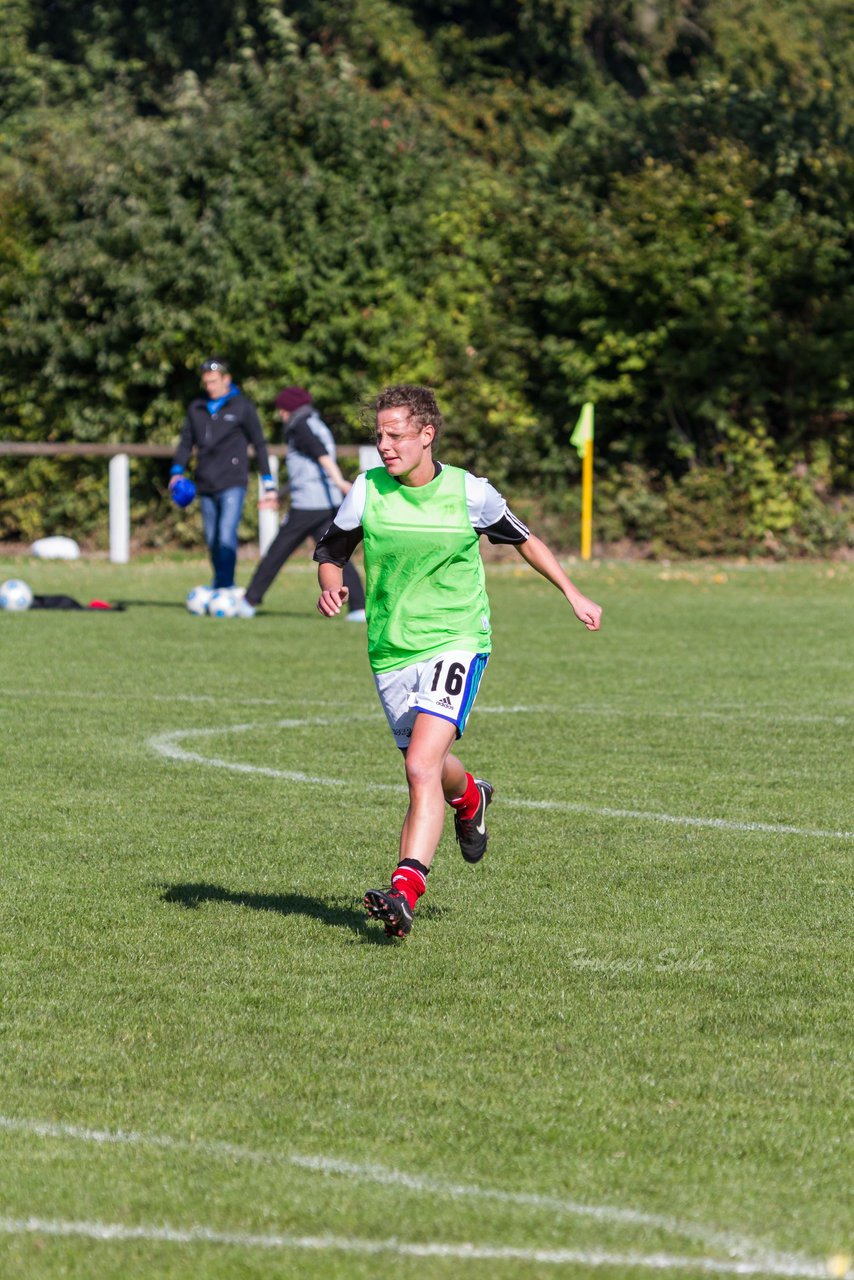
x=421 y=769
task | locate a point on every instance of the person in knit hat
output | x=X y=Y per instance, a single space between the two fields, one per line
x=317 y=489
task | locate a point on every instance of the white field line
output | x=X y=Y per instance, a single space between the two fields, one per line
x=748 y=716
x=125 y=695
x=724 y=824
x=110 y=1231
x=168 y=746
x=742 y=1253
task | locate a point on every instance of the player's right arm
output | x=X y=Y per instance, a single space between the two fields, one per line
x=333 y=593
x=335 y=547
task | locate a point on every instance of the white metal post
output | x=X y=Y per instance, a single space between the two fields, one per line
x=120 y=508
x=369 y=457
x=268 y=519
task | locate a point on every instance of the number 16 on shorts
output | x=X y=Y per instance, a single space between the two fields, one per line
x=444 y=686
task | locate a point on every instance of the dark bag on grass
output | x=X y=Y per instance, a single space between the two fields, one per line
x=68 y=602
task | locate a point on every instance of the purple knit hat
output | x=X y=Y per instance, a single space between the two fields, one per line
x=291 y=398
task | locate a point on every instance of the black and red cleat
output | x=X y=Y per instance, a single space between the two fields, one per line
x=471 y=833
x=392 y=909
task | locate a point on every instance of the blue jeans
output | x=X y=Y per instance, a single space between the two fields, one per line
x=221 y=517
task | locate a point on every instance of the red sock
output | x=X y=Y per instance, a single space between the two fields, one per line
x=410 y=879
x=466 y=804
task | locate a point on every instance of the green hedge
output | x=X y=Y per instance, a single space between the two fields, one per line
x=525 y=206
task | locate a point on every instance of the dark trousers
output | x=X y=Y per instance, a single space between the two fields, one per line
x=295 y=528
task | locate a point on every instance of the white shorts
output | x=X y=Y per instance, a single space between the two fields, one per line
x=445 y=686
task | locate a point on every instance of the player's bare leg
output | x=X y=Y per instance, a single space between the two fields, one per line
x=432 y=774
x=427 y=774
x=454 y=779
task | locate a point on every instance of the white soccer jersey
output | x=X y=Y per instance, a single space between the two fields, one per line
x=487 y=510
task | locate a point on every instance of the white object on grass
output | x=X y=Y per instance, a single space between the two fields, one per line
x=55 y=548
x=15 y=595
x=198 y=600
x=223 y=604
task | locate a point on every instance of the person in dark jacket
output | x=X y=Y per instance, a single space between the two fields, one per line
x=219 y=427
x=317 y=489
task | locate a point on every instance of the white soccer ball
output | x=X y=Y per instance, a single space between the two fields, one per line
x=223 y=604
x=198 y=600
x=15 y=595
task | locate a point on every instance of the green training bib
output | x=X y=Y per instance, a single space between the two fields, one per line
x=425 y=583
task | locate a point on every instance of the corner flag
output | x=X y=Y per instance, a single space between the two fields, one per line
x=583 y=429
x=582 y=438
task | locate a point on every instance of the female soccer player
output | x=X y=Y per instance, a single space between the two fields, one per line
x=428 y=622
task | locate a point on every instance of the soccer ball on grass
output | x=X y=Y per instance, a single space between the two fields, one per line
x=15 y=595
x=198 y=600
x=223 y=604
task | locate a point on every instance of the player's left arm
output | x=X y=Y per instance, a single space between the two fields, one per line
x=491 y=516
x=541 y=558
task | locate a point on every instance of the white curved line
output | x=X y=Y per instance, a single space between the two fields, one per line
x=465 y=1252
x=724 y=824
x=167 y=745
x=755 y=1259
x=382 y=1176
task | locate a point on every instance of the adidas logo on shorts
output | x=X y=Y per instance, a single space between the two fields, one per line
x=445 y=702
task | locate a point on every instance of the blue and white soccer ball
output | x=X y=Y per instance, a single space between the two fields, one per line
x=15 y=595
x=223 y=604
x=198 y=600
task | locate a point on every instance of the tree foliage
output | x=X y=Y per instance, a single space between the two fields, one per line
x=527 y=204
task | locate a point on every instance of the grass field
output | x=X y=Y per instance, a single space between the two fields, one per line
x=622 y=1045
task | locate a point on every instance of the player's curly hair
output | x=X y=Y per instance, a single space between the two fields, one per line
x=420 y=401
